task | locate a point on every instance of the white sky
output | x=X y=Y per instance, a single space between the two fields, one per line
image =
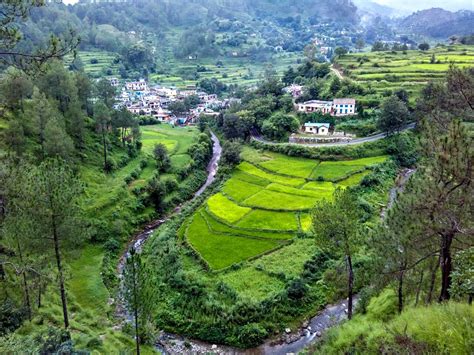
x=411 y=5
x=426 y=4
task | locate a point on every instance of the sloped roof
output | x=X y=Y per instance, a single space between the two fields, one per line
x=311 y=124
x=344 y=101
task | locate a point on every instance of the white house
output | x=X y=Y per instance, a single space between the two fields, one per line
x=137 y=85
x=315 y=106
x=337 y=107
x=344 y=107
x=321 y=129
x=114 y=82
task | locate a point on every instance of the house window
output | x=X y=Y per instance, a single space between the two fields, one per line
x=346 y=110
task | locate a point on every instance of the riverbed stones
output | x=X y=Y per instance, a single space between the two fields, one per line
x=287 y=330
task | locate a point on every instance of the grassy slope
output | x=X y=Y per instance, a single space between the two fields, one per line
x=107 y=197
x=441 y=328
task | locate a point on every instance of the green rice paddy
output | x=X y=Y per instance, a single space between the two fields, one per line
x=262 y=207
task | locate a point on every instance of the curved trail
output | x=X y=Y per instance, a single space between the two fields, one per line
x=337 y=72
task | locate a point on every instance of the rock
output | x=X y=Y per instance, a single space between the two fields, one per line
x=318 y=334
x=345 y=310
x=305 y=324
x=287 y=330
x=309 y=328
x=214 y=347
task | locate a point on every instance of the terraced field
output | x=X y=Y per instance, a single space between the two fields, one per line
x=110 y=186
x=239 y=71
x=265 y=205
x=409 y=70
x=96 y=63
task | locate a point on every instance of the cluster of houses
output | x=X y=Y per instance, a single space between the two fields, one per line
x=144 y=100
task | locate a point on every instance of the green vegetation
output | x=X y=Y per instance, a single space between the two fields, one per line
x=269 y=220
x=223 y=208
x=416 y=329
x=222 y=250
x=409 y=70
x=263 y=204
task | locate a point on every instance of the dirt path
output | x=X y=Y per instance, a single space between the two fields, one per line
x=337 y=72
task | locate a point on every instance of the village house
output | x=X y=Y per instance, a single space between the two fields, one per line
x=162 y=115
x=325 y=107
x=294 y=90
x=321 y=129
x=114 y=82
x=344 y=107
x=140 y=85
x=337 y=107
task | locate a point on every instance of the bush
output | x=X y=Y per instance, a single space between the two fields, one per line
x=112 y=245
x=384 y=306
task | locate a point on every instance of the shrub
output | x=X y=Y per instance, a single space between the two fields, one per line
x=383 y=307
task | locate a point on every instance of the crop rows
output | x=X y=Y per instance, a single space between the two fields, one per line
x=264 y=205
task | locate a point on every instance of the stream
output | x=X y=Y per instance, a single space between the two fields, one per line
x=291 y=341
x=141 y=237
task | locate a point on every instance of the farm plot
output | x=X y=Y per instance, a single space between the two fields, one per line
x=291 y=166
x=409 y=69
x=262 y=207
x=222 y=250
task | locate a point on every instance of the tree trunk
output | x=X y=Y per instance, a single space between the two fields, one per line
x=434 y=269
x=135 y=306
x=400 y=292
x=350 y=284
x=469 y=300
x=39 y=291
x=25 y=282
x=27 y=294
x=418 y=290
x=446 y=267
x=105 y=149
x=61 y=276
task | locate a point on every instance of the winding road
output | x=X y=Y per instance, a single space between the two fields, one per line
x=367 y=139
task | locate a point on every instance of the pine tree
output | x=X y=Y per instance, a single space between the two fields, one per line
x=102 y=121
x=53 y=193
x=337 y=230
x=138 y=294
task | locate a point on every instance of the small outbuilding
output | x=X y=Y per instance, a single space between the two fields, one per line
x=321 y=129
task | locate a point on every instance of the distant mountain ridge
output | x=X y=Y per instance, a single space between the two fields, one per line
x=439 y=23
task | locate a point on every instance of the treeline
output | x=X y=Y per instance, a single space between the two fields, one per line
x=52 y=115
x=55 y=121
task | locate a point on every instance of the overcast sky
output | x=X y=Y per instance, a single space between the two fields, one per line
x=411 y=5
x=414 y=5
